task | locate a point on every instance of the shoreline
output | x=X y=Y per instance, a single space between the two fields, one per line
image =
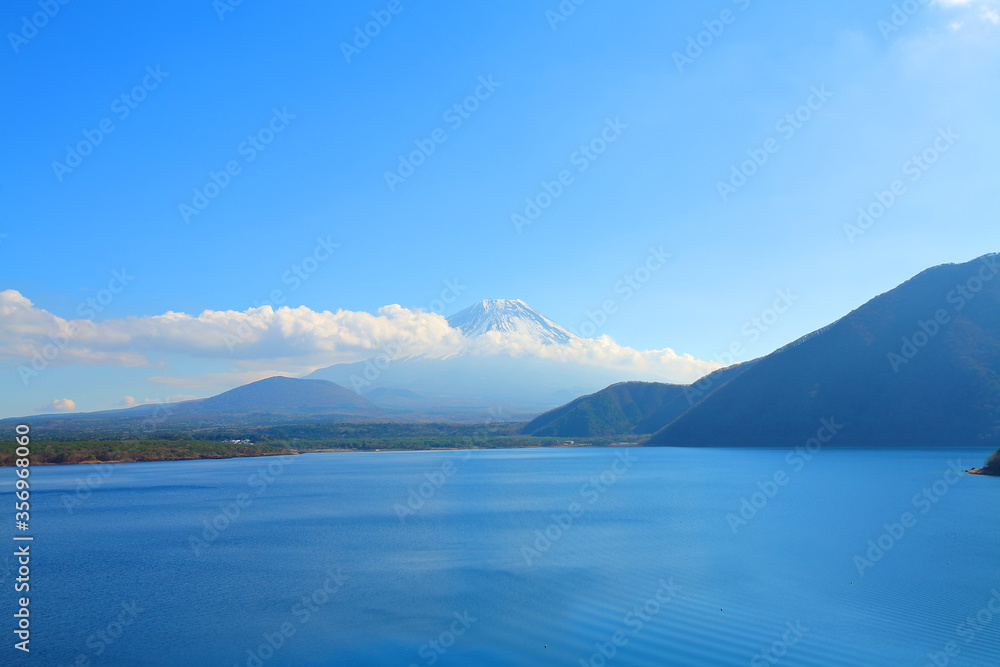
x=198 y=458
x=330 y=451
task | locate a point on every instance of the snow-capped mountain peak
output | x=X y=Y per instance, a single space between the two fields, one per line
x=508 y=316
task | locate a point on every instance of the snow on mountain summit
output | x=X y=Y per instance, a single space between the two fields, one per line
x=508 y=316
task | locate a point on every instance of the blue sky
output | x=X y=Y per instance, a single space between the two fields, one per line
x=336 y=127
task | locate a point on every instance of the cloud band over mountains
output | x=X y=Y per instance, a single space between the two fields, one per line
x=297 y=339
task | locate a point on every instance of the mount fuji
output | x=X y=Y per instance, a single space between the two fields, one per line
x=508 y=317
x=499 y=367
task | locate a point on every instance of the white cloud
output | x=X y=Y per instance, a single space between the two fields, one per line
x=603 y=352
x=254 y=334
x=60 y=405
x=263 y=342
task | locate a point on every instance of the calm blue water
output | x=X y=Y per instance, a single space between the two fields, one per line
x=647 y=557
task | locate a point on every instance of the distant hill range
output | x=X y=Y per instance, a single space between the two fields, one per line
x=275 y=400
x=916 y=366
x=282 y=395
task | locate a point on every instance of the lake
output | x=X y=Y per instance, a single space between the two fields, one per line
x=570 y=556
